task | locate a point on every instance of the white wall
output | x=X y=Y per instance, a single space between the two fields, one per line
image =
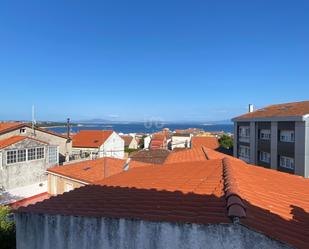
x=147 y=141
x=113 y=147
x=180 y=142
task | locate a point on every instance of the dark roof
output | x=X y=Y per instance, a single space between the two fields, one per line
x=295 y=109
x=156 y=156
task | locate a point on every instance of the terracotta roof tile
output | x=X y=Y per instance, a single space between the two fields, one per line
x=267 y=201
x=91 y=138
x=14 y=139
x=157 y=156
x=208 y=142
x=9 y=126
x=179 y=193
x=127 y=139
x=93 y=170
x=187 y=155
x=280 y=110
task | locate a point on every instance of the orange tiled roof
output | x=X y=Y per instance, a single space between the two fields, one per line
x=91 y=138
x=212 y=191
x=187 y=155
x=176 y=192
x=94 y=170
x=14 y=139
x=208 y=142
x=9 y=126
x=280 y=110
x=11 y=140
x=127 y=139
x=157 y=156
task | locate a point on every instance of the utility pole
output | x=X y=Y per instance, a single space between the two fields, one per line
x=33 y=122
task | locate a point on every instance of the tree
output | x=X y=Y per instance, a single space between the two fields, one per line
x=226 y=141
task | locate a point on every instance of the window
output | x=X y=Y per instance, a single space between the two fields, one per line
x=287 y=162
x=52 y=155
x=264 y=157
x=11 y=156
x=31 y=154
x=265 y=134
x=244 y=153
x=244 y=131
x=21 y=155
x=22 y=131
x=287 y=136
x=40 y=153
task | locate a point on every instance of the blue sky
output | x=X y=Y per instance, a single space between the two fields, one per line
x=135 y=60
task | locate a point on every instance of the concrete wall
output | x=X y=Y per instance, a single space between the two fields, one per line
x=65 y=147
x=49 y=232
x=147 y=141
x=302 y=148
x=21 y=174
x=57 y=184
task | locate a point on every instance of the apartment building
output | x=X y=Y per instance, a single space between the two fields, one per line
x=275 y=137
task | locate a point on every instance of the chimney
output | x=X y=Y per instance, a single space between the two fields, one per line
x=127 y=165
x=250 y=108
x=68 y=129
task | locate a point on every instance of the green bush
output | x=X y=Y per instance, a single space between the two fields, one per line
x=226 y=141
x=7 y=230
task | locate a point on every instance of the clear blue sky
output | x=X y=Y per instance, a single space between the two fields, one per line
x=133 y=60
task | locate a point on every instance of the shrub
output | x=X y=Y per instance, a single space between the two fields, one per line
x=7 y=230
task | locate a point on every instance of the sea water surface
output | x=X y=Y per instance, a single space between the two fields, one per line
x=149 y=127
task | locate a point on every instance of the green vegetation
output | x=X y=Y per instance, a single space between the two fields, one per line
x=141 y=144
x=7 y=230
x=226 y=141
x=127 y=150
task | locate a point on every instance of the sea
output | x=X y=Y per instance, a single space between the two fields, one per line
x=149 y=127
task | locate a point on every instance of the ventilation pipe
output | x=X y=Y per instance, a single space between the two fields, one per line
x=250 y=109
x=127 y=165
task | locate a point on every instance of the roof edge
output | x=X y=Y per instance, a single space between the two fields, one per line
x=234 y=203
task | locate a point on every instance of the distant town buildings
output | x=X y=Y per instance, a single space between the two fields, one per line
x=181 y=140
x=130 y=142
x=275 y=137
x=98 y=143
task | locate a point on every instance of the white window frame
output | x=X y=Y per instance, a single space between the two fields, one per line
x=53 y=154
x=287 y=136
x=265 y=134
x=286 y=162
x=22 y=155
x=9 y=158
x=31 y=156
x=264 y=156
x=244 y=133
x=40 y=153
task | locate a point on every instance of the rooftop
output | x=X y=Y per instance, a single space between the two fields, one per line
x=295 y=109
x=93 y=170
x=14 y=139
x=212 y=191
x=10 y=126
x=157 y=156
x=91 y=138
x=127 y=139
x=187 y=155
x=208 y=142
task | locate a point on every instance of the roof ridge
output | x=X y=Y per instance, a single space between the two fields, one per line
x=205 y=152
x=234 y=202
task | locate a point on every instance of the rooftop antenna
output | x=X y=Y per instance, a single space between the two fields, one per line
x=33 y=122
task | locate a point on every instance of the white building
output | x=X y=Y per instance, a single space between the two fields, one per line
x=181 y=140
x=98 y=143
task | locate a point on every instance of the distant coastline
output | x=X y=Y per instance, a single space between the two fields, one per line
x=142 y=128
